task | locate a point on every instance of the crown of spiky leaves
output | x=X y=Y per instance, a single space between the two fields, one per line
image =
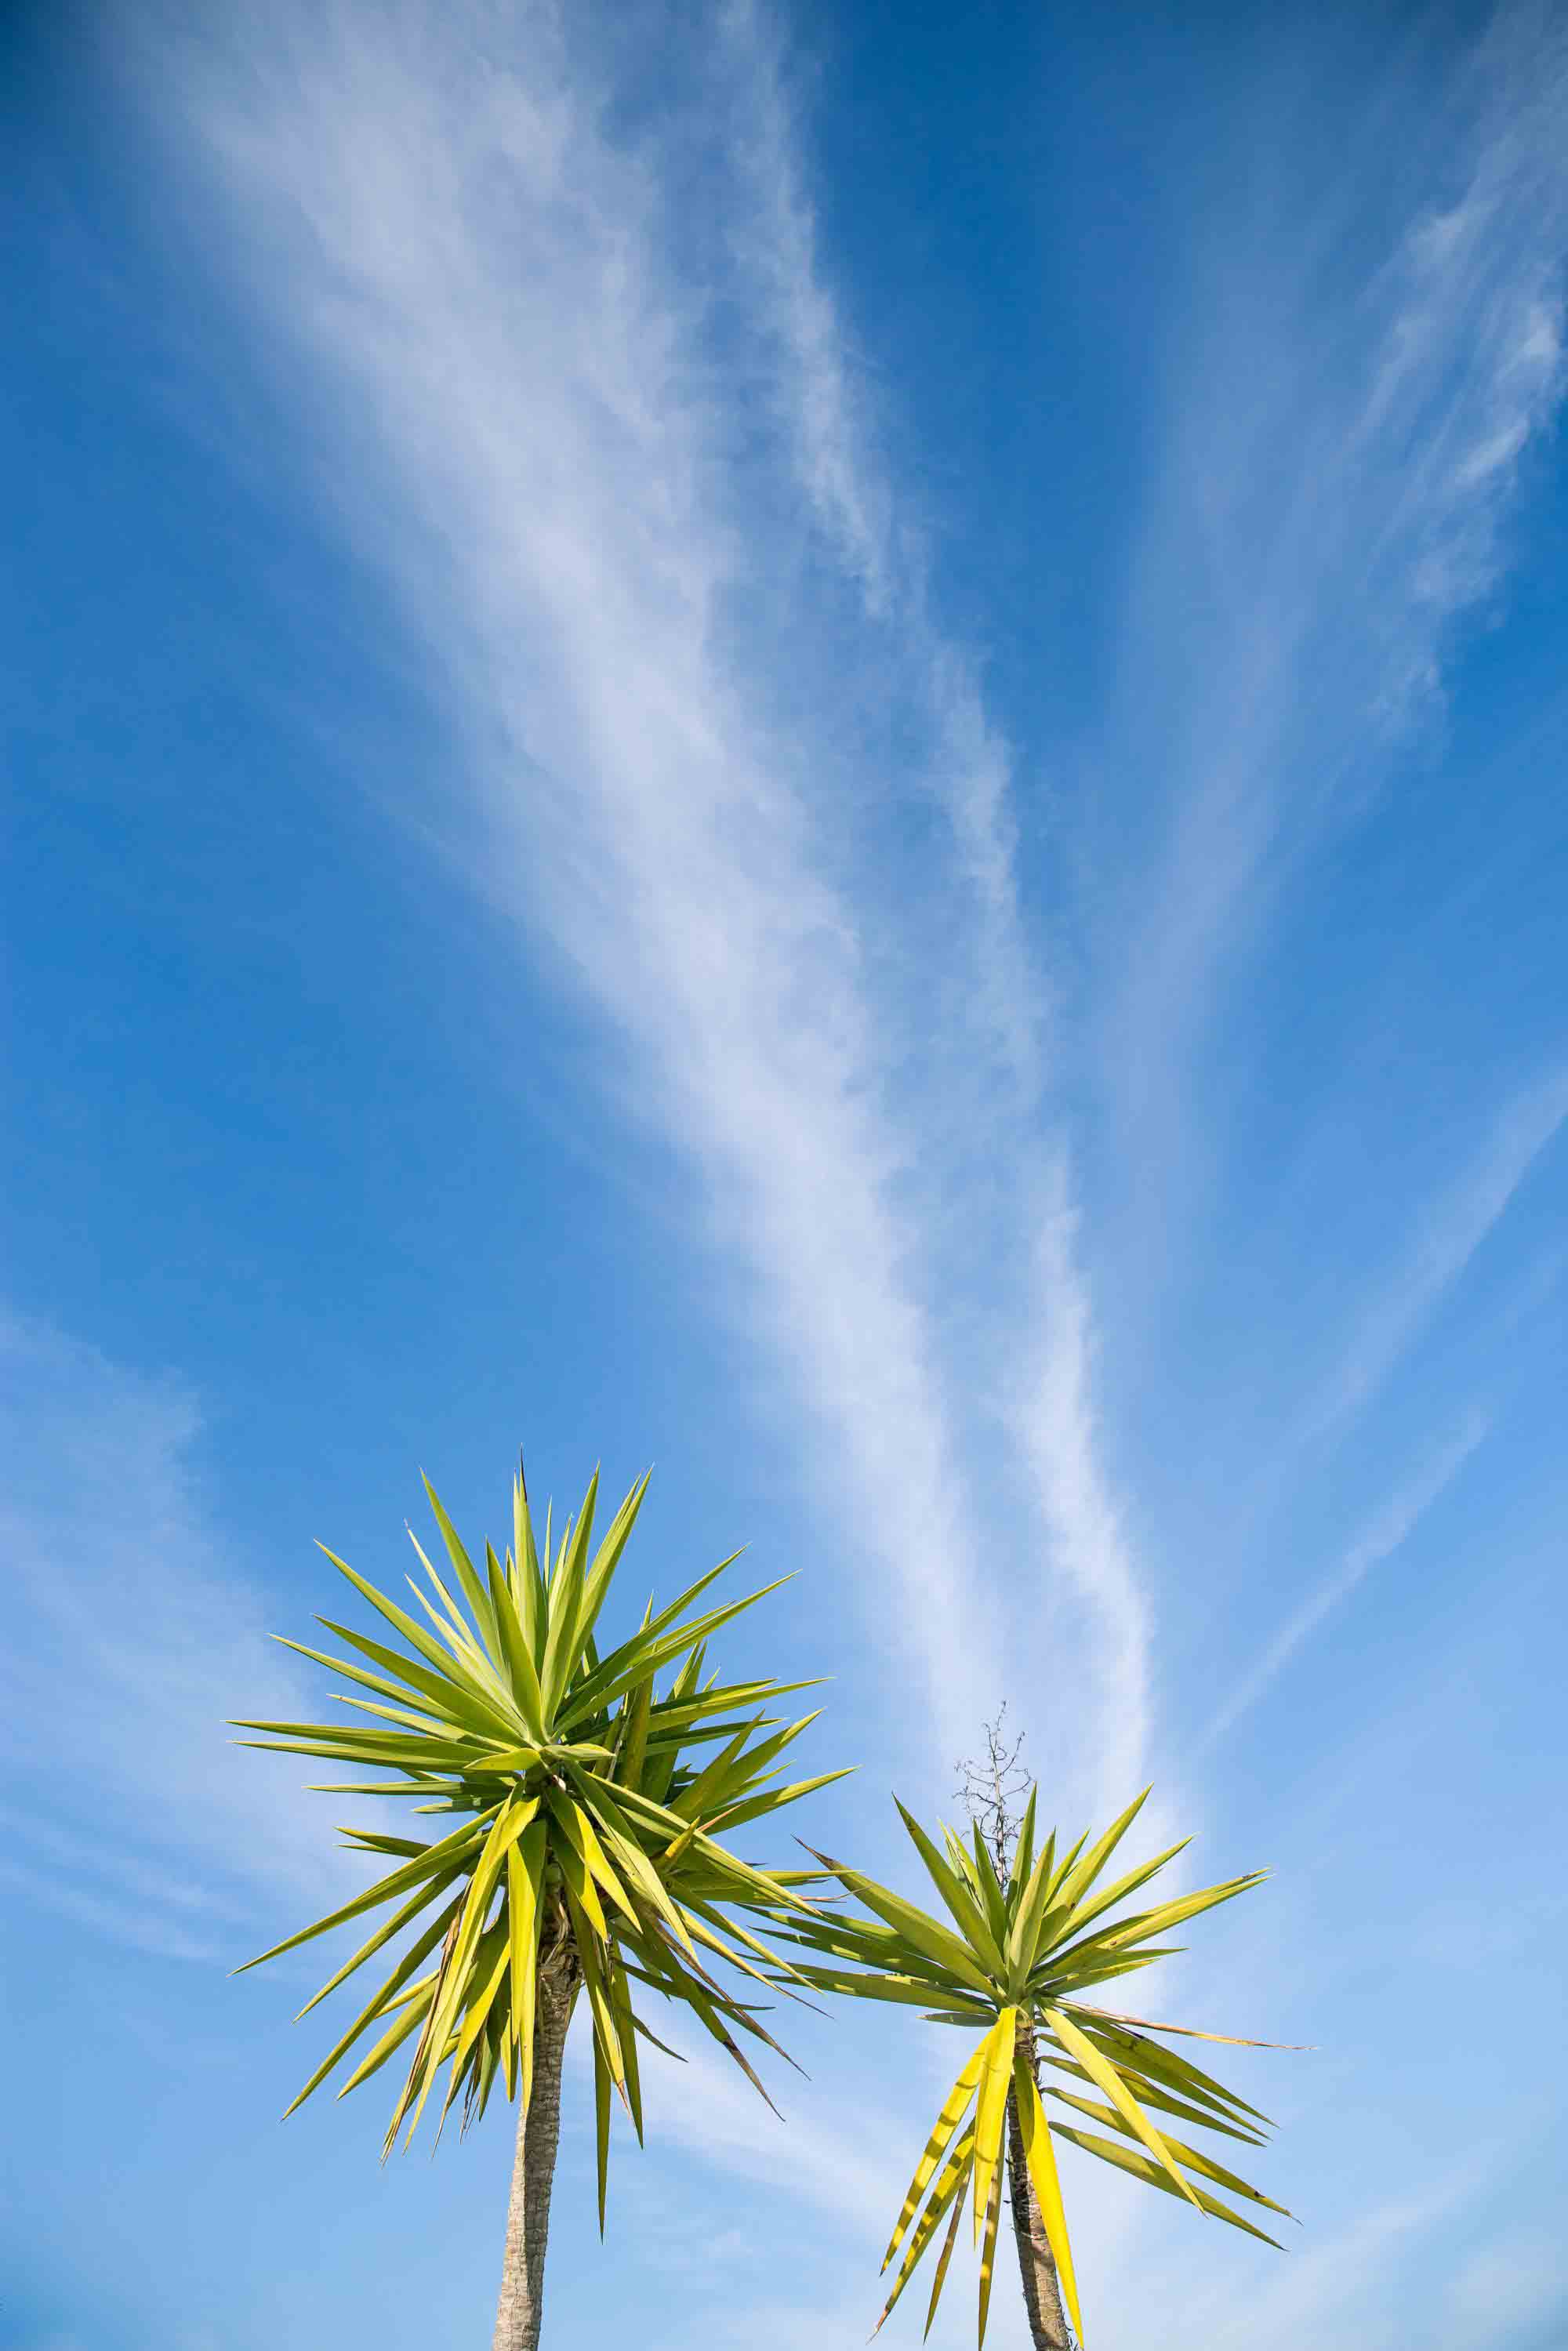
x=591 y=1809
x=1018 y=1956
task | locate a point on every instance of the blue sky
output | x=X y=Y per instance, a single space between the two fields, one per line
x=825 y=746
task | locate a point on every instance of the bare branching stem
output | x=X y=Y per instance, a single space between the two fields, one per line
x=991 y=1788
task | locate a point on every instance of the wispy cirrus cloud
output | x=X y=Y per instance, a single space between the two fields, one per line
x=830 y=425
x=1507 y=2293
x=1446 y=1234
x=1083 y=1580
x=1320 y=2284
x=475 y=267
x=1055 y=1421
x=1358 y=2266
x=497 y=288
x=706 y=2105
x=1364 y=385
x=130 y=1635
x=1385 y=1531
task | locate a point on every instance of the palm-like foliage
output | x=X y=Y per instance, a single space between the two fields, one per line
x=584 y=1855
x=1015 y=1958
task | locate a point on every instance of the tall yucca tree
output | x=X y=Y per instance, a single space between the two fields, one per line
x=1018 y=1950
x=585 y=1858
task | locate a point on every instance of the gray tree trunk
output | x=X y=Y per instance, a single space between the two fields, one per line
x=521 y=2310
x=1037 y=2266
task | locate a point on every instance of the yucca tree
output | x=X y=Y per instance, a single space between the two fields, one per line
x=1018 y=1950
x=585 y=1858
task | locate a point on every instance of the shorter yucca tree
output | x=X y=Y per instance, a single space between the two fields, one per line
x=1024 y=1944
x=585 y=1858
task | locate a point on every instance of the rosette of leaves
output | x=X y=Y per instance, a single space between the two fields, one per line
x=590 y=1789
x=1015 y=1956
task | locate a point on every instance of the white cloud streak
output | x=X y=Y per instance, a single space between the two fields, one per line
x=1447 y=1233
x=1504 y=2287
x=830 y=425
x=1050 y=1411
x=477 y=270
x=543 y=463
x=130 y=1639
x=1306 y=2304
x=706 y=2105
x=1383 y=1535
x=1338 y=496
x=1055 y=1423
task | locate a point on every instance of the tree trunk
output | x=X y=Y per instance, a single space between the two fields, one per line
x=1037 y=2267
x=521 y=2310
